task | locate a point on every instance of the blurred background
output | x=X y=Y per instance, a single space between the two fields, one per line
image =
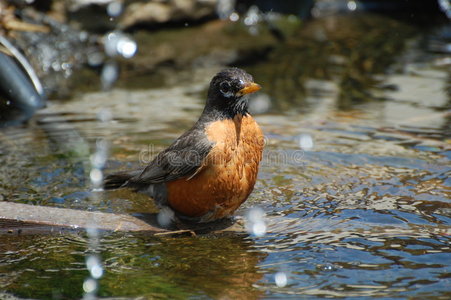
x=67 y=47
x=353 y=192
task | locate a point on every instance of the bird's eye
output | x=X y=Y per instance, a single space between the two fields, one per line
x=226 y=89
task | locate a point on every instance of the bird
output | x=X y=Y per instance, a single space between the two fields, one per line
x=211 y=169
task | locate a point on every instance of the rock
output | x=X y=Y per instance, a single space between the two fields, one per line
x=146 y=12
x=54 y=50
x=215 y=43
x=166 y=11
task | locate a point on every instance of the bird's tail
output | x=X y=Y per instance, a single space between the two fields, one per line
x=118 y=180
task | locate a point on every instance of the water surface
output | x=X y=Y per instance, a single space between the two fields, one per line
x=355 y=192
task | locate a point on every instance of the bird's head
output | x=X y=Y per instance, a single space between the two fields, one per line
x=228 y=91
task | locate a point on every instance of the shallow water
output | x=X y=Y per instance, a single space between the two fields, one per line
x=362 y=209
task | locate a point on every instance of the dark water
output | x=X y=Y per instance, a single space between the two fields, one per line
x=354 y=183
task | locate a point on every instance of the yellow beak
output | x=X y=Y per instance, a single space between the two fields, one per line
x=249 y=88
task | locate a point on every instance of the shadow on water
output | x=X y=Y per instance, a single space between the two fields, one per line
x=355 y=189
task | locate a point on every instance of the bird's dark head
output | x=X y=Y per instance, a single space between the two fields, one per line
x=228 y=92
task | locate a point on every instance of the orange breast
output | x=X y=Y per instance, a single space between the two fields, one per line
x=228 y=174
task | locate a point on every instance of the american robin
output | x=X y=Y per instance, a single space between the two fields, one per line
x=211 y=169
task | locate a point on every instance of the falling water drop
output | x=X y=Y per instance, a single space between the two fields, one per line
x=127 y=47
x=252 y=16
x=96 y=177
x=93 y=259
x=234 y=17
x=117 y=43
x=306 y=141
x=445 y=6
x=225 y=8
x=281 y=279
x=104 y=115
x=95 y=59
x=110 y=73
x=165 y=217
x=90 y=286
x=260 y=103
x=352 y=5
x=94 y=266
x=255 y=222
x=114 y=9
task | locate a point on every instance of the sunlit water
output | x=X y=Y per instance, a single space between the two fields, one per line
x=349 y=203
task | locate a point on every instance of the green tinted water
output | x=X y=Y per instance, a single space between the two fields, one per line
x=364 y=212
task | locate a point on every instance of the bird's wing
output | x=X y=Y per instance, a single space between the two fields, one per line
x=182 y=159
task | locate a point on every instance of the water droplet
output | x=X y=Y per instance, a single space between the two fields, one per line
x=127 y=47
x=306 y=141
x=98 y=160
x=94 y=266
x=352 y=5
x=83 y=36
x=117 y=43
x=252 y=16
x=109 y=75
x=56 y=66
x=259 y=228
x=260 y=103
x=281 y=279
x=92 y=232
x=234 y=17
x=255 y=221
x=114 y=9
x=66 y=66
x=90 y=285
x=102 y=144
x=96 y=176
x=445 y=6
x=95 y=59
x=253 y=30
x=104 y=115
x=111 y=44
x=165 y=217
x=255 y=214
x=224 y=8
